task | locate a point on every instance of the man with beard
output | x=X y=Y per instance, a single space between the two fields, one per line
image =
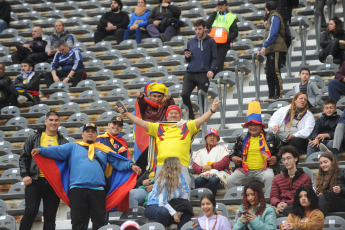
x=114 y=23
x=201 y=55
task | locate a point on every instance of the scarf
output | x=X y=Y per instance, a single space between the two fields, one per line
x=91 y=153
x=26 y=76
x=152 y=104
x=264 y=150
x=297 y=111
x=118 y=139
x=140 y=10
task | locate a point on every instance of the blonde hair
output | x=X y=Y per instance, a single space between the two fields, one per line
x=293 y=107
x=169 y=176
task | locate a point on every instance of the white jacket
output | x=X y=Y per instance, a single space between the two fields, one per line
x=305 y=126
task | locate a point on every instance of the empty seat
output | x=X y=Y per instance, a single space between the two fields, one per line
x=121 y=63
x=15 y=192
x=129 y=73
x=196 y=194
x=103 y=74
x=126 y=45
x=42 y=67
x=110 y=55
x=151 y=43
x=9 y=161
x=21 y=135
x=13 y=69
x=256 y=35
x=146 y=62
x=244 y=8
x=138 y=82
x=87 y=96
x=177 y=41
x=15 y=123
x=169 y=80
x=175 y=59
x=9 y=112
x=101 y=46
x=10 y=176
x=110 y=85
x=175 y=90
x=56 y=87
x=136 y=53
x=195 y=12
x=233 y=196
x=94 y=65
x=84 y=85
x=162 y=51
x=157 y=71
x=16 y=41
x=76 y=120
x=97 y=107
x=57 y=14
x=334 y=222
x=255 y=16
x=5 y=147
x=7 y=222
x=106 y=117
x=57 y=98
x=80 y=13
x=245 y=25
x=68 y=109
x=243 y=44
x=9 y=33
x=116 y=94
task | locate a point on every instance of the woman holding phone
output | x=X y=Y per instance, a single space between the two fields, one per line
x=210 y=220
x=254 y=213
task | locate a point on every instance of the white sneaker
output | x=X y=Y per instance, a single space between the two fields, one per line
x=323 y=148
x=329 y=59
x=21 y=99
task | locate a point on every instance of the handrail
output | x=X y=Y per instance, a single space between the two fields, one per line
x=256 y=71
x=239 y=86
x=203 y=107
x=222 y=97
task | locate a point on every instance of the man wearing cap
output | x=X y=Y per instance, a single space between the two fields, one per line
x=212 y=163
x=256 y=153
x=36 y=185
x=172 y=139
x=223 y=26
x=86 y=162
x=151 y=108
x=113 y=138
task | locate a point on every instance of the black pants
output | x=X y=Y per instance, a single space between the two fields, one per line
x=17 y=57
x=142 y=162
x=40 y=189
x=300 y=144
x=191 y=80
x=319 y=5
x=87 y=203
x=332 y=49
x=273 y=75
x=79 y=75
x=221 y=55
x=330 y=202
x=118 y=33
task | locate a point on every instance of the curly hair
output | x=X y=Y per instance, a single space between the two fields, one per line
x=169 y=176
x=328 y=179
x=338 y=25
x=293 y=108
x=297 y=208
x=259 y=194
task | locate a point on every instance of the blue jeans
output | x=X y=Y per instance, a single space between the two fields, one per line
x=3 y=25
x=336 y=88
x=213 y=182
x=137 y=197
x=137 y=32
x=310 y=150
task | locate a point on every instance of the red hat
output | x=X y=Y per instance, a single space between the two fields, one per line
x=130 y=224
x=212 y=131
x=173 y=107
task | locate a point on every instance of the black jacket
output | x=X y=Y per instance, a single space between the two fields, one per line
x=171 y=11
x=37 y=45
x=233 y=30
x=325 y=124
x=34 y=83
x=27 y=164
x=327 y=37
x=120 y=20
x=274 y=143
x=5 y=97
x=5 y=12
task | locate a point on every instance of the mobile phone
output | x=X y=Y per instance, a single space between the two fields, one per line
x=244 y=212
x=317 y=192
x=120 y=105
x=187 y=50
x=195 y=221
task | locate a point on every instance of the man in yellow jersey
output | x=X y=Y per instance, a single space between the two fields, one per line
x=175 y=139
x=36 y=185
x=256 y=153
x=224 y=30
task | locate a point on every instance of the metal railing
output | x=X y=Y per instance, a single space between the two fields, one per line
x=203 y=101
x=256 y=70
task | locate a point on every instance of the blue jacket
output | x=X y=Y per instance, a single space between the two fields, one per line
x=204 y=55
x=266 y=221
x=85 y=173
x=143 y=17
x=71 y=61
x=275 y=26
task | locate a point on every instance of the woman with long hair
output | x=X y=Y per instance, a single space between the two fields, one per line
x=254 y=213
x=294 y=123
x=170 y=196
x=330 y=184
x=210 y=219
x=332 y=41
x=137 y=24
x=305 y=214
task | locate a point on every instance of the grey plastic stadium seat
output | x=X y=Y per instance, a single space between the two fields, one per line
x=157 y=71
x=106 y=117
x=118 y=64
x=7 y=222
x=116 y=94
x=87 y=96
x=15 y=123
x=56 y=87
x=334 y=222
x=69 y=109
x=111 y=55
x=57 y=98
x=146 y=62
x=94 y=65
x=9 y=112
x=9 y=161
x=110 y=85
x=5 y=147
x=136 y=53
x=15 y=192
x=97 y=107
x=110 y=227
x=104 y=74
x=42 y=67
x=169 y=80
x=152 y=226
x=151 y=43
x=233 y=195
x=129 y=73
x=196 y=194
x=11 y=176
x=138 y=82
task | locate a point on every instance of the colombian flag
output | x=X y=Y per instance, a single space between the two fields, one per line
x=120 y=182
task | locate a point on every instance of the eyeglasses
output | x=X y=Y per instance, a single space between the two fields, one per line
x=286 y=159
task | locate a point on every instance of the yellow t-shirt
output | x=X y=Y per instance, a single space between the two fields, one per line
x=47 y=141
x=254 y=159
x=173 y=141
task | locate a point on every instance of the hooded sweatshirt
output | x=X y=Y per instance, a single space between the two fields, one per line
x=204 y=55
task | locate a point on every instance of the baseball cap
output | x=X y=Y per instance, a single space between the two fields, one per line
x=130 y=224
x=117 y=120
x=222 y=2
x=88 y=125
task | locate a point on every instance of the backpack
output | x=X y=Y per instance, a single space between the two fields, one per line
x=288 y=38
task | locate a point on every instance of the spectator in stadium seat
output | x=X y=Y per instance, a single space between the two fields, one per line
x=223 y=26
x=52 y=46
x=336 y=87
x=113 y=138
x=31 y=49
x=71 y=62
x=112 y=23
x=164 y=21
x=255 y=154
x=338 y=140
x=36 y=184
x=308 y=87
x=5 y=15
x=332 y=42
x=284 y=185
x=323 y=132
x=305 y=213
x=6 y=92
x=172 y=139
x=254 y=213
x=169 y=196
x=87 y=162
x=294 y=123
x=330 y=184
x=201 y=56
x=212 y=163
x=151 y=108
x=275 y=49
x=138 y=22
